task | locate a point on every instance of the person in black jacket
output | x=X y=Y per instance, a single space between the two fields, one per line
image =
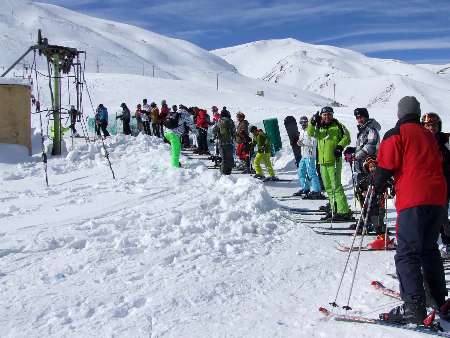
x=433 y=123
x=125 y=117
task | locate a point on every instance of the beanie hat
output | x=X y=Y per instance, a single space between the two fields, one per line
x=253 y=129
x=327 y=110
x=361 y=112
x=408 y=105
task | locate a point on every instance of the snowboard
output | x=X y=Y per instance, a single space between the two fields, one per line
x=290 y=123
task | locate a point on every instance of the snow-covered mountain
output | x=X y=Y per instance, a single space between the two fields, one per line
x=359 y=80
x=117 y=47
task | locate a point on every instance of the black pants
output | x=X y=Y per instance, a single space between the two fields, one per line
x=155 y=128
x=226 y=153
x=417 y=250
x=126 y=127
x=102 y=126
x=146 y=125
x=202 y=139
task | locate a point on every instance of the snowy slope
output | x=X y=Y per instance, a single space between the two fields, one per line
x=166 y=253
x=360 y=80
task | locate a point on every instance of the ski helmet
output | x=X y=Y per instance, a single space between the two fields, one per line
x=432 y=118
x=253 y=129
x=363 y=112
x=327 y=110
x=303 y=120
x=214 y=109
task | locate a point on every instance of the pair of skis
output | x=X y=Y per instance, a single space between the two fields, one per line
x=430 y=326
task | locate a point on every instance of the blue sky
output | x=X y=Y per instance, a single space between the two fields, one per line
x=416 y=31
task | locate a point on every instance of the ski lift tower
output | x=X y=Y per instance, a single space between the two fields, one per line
x=61 y=59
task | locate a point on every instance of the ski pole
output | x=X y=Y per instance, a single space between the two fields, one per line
x=334 y=304
x=364 y=231
x=353 y=183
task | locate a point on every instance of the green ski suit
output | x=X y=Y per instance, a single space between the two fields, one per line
x=263 y=154
x=328 y=138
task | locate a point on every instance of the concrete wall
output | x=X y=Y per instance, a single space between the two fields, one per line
x=15 y=114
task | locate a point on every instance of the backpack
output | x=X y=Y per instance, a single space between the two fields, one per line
x=225 y=130
x=172 y=121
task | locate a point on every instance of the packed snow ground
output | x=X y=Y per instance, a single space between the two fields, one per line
x=167 y=253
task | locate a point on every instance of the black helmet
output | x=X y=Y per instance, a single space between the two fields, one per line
x=327 y=110
x=432 y=118
x=361 y=112
x=303 y=120
x=253 y=129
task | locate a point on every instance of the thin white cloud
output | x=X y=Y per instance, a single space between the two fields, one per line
x=414 y=44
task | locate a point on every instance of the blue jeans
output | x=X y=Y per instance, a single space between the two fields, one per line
x=308 y=175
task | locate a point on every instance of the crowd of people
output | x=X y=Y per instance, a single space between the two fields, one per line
x=415 y=150
x=176 y=123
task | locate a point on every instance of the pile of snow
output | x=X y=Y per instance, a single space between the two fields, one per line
x=360 y=80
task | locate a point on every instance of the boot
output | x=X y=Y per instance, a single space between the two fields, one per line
x=327 y=217
x=314 y=196
x=344 y=217
x=325 y=207
x=260 y=177
x=408 y=313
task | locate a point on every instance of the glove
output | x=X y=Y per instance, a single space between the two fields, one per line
x=315 y=119
x=338 y=152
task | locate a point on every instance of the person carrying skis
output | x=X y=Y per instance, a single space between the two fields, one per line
x=224 y=132
x=154 y=115
x=243 y=140
x=176 y=124
x=309 y=181
x=261 y=140
x=146 y=117
x=74 y=116
x=332 y=137
x=101 y=120
x=202 y=124
x=433 y=123
x=125 y=117
x=411 y=154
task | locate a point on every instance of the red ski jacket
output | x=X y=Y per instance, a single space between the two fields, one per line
x=410 y=153
x=202 y=119
x=164 y=113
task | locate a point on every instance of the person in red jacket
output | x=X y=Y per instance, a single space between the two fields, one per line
x=164 y=112
x=410 y=153
x=202 y=124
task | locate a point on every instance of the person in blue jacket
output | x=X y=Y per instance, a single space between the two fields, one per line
x=101 y=120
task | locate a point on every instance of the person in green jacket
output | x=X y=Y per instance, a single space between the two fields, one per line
x=332 y=137
x=263 y=153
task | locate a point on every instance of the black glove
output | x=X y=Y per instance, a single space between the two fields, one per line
x=315 y=120
x=338 y=151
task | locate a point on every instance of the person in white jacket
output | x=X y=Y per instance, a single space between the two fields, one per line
x=309 y=180
x=176 y=123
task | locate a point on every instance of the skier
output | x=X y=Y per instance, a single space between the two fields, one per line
x=202 y=124
x=433 y=123
x=74 y=116
x=411 y=154
x=224 y=131
x=125 y=117
x=331 y=137
x=146 y=117
x=154 y=115
x=101 y=120
x=307 y=166
x=216 y=117
x=243 y=140
x=263 y=153
x=176 y=124
x=367 y=142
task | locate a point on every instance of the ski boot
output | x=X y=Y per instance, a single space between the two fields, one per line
x=313 y=195
x=259 y=177
x=301 y=192
x=344 y=217
x=407 y=313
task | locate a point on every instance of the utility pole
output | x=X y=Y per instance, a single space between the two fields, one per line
x=143 y=69
x=153 y=70
x=334 y=92
x=98 y=66
x=217 y=81
x=56 y=150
